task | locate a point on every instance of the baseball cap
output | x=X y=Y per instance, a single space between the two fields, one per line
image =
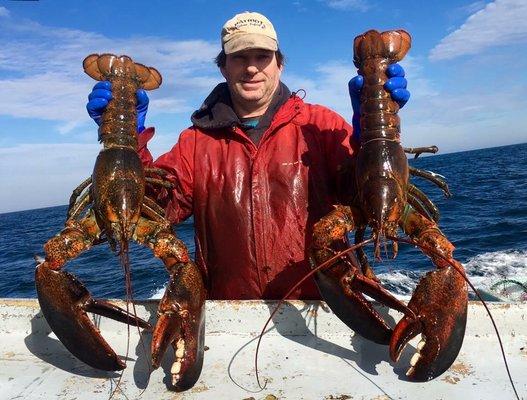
x=248 y=30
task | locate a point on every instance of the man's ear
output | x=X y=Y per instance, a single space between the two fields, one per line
x=222 y=70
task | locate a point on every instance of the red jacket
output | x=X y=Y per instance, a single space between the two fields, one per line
x=254 y=205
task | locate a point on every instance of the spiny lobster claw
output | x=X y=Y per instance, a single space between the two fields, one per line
x=65 y=302
x=440 y=303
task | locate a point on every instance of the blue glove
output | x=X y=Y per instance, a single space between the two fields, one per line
x=396 y=85
x=100 y=96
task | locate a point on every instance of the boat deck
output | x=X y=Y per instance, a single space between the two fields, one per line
x=307 y=354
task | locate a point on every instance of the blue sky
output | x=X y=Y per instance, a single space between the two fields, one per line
x=466 y=70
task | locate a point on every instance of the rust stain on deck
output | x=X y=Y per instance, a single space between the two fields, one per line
x=451 y=379
x=458 y=370
x=461 y=369
x=199 y=388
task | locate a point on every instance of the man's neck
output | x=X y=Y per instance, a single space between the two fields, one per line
x=249 y=112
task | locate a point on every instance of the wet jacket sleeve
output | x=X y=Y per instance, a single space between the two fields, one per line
x=142 y=141
x=179 y=163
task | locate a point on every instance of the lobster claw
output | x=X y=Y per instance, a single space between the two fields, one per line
x=354 y=310
x=188 y=348
x=65 y=302
x=440 y=304
x=181 y=323
x=346 y=299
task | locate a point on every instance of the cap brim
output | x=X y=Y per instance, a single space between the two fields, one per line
x=249 y=41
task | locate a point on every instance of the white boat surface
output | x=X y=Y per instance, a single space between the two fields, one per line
x=307 y=353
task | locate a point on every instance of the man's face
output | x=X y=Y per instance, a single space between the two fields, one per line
x=252 y=76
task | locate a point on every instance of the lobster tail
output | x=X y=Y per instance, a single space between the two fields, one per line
x=389 y=45
x=119 y=123
x=104 y=66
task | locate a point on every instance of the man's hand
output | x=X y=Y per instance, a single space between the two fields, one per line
x=102 y=93
x=396 y=85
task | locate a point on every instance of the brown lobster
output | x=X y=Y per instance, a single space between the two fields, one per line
x=385 y=201
x=112 y=206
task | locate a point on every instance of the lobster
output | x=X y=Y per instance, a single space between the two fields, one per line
x=112 y=206
x=384 y=202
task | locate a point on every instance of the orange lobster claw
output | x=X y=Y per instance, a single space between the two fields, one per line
x=437 y=310
x=442 y=331
x=181 y=323
x=65 y=302
x=345 y=298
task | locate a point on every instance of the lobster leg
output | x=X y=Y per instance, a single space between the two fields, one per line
x=181 y=312
x=439 y=302
x=436 y=179
x=343 y=285
x=363 y=258
x=429 y=206
x=65 y=302
x=76 y=193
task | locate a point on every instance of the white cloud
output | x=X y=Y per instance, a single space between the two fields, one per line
x=434 y=115
x=48 y=96
x=499 y=23
x=170 y=105
x=420 y=85
x=41 y=69
x=46 y=174
x=457 y=120
x=4 y=12
x=329 y=87
x=300 y=7
x=67 y=127
x=473 y=7
x=360 y=5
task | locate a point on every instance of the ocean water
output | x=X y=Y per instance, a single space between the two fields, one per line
x=486 y=219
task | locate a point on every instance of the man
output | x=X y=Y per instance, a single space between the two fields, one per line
x=257 y=168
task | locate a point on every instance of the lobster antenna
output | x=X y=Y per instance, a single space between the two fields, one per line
x=281 y=301
x=131 y=299
x=125 y=263
x=385 y=245
x=436 y=253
